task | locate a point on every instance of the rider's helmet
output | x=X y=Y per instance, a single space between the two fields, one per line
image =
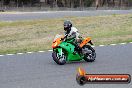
x=67 y=26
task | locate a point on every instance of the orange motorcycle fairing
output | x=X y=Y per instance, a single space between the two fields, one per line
x=85 y=41
x=56 y=42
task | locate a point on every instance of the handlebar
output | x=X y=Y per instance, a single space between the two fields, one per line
x=64 y=37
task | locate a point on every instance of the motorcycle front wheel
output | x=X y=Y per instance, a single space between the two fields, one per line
x=59 y=60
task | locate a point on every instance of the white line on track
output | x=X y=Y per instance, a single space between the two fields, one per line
x=52 y=50
x=2 y=55
x=123 y=43
x=10 y=54
x=20 y=53
x=113 y=44
x=41 y=51
x=101 y=45
x=30 y=52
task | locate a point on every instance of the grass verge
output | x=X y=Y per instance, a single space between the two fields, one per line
x=35 y=35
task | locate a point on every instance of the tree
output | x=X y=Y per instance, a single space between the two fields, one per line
x=97 y=3
x=88 y=3
x=103 y=2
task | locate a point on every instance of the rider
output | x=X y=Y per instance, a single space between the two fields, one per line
x=71 y=32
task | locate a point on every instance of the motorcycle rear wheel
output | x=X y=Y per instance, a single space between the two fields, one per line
x=90 y=55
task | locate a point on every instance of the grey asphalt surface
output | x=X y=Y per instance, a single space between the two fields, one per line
x=58 y=14
x=38 y=70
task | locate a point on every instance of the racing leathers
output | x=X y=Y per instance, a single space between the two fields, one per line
x=74 y=34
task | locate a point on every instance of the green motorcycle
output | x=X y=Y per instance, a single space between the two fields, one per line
x=63 y=50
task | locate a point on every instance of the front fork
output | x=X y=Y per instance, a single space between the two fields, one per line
x=59 y=51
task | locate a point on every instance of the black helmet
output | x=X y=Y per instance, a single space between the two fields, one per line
x=67 y=25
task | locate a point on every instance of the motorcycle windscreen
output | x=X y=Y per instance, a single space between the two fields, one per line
x=57 y=41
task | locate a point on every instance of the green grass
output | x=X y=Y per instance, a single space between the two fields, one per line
x=24 y=36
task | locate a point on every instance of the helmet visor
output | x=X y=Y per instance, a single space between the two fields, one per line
x=65 y=26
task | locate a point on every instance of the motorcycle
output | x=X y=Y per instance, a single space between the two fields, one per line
x=63 y=50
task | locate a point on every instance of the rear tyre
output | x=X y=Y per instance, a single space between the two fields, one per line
x=57 y=59
x=89 y=53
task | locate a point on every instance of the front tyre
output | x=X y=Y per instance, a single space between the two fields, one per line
x=89 y=53
x=59 y=60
